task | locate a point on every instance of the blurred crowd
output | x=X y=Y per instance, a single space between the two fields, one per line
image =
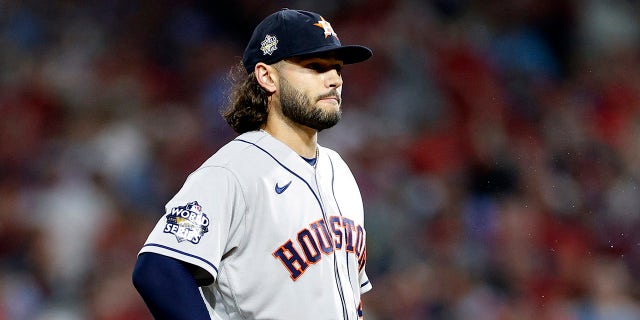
x=496 y=144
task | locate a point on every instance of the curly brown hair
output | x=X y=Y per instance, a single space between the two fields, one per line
x=247 y=106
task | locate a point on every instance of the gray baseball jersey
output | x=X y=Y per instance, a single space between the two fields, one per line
x=284 y=240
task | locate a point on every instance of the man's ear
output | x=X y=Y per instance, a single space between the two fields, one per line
x=266 y=76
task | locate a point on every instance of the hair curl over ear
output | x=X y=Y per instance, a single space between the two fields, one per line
x=247 y=106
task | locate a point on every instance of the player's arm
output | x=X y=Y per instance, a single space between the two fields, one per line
x=169 y=288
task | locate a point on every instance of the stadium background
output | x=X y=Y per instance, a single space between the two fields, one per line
x=496 y=143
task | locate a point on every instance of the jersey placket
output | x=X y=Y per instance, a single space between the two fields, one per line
x=340 y=258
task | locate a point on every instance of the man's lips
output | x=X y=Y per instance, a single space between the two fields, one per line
x=330 y=97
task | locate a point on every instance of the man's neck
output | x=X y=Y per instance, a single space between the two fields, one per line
x=302 y=140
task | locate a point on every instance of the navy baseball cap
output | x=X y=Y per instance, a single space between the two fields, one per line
x=291 y=33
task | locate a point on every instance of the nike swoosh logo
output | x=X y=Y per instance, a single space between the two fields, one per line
x=280 y=189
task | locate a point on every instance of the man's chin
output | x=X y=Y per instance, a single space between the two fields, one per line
x=329 y=105
x=323 y=124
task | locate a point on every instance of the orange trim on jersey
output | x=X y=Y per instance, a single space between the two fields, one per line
x=349 y=227
x=291 y=259
x=337 y=232
x=323 y=237
x=359 y=241
x=308 y=243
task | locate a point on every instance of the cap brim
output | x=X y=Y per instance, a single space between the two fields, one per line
x=349 y=54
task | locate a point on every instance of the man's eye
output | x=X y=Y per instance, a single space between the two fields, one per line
x=324 y=67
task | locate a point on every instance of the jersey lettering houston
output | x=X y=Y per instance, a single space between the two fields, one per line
x=283 y=240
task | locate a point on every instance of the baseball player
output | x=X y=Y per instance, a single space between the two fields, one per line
x=271 y=226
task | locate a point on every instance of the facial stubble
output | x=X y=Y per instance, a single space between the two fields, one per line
x=299 y=108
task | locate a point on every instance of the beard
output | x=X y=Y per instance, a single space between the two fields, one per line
x=298 y=108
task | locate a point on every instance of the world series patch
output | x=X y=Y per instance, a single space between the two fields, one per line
x=187 y=223
x=269 y=45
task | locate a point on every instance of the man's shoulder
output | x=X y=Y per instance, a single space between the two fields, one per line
x=235 y=153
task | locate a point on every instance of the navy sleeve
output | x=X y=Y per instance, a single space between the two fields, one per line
x=168 y=288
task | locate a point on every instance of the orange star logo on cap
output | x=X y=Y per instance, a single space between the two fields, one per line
x=328 y=30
